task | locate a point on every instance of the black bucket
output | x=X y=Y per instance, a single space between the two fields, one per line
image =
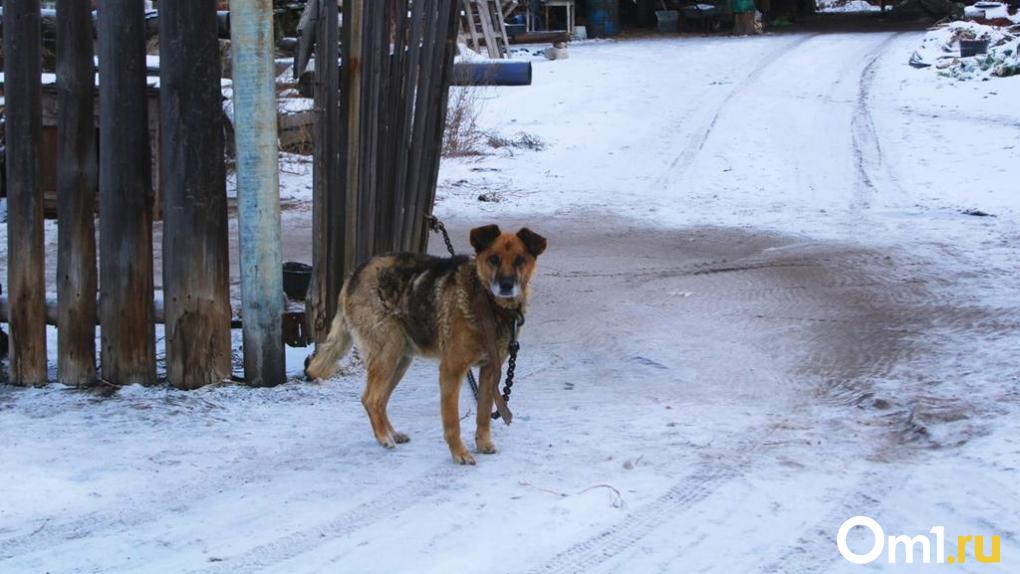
x=970 y=48
x=296 y=279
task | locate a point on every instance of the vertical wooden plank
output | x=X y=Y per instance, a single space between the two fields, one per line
x=25 y=250
x=383 y=206
x=423 y=111
x=405 y=125
x=372 y=48
x=469 y=17
x=350 y=112
x=195 y=255
x=327 y=204
x=447 y=49
x=258 y=191
x=76 y=195
x=125 y=198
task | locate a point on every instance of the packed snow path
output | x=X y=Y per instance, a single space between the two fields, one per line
x=761 y=312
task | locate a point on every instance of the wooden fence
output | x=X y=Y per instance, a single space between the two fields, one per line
x=375 y=177
x=378 y=138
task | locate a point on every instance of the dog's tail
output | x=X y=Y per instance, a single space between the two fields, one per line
x=323 y=363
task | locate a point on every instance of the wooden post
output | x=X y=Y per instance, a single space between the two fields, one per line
x=195 y=253
x=404 y=128
x=328 y=202
x=125 y=220
x=419 y=140
x=351 y=115
x=76 y=195
x=258 y=190
x=446 y=48
x=25 y=251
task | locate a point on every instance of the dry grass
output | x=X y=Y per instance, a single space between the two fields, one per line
x=461 y=135
x=520 y=140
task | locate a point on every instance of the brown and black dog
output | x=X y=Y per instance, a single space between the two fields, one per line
x=400 y=305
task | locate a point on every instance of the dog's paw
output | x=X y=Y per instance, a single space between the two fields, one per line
x=485 y=446
x=463 y=458
x=386 y=441
x=401 y=438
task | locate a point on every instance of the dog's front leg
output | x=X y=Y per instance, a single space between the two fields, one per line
x=450 y=376
x=488 y=386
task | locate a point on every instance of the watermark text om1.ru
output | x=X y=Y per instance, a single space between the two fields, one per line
x=912 y=546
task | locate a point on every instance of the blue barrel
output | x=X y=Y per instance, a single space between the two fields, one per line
x=603 y=18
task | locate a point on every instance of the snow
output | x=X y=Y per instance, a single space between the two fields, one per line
x=762 y=311
x=941 y=48
x=842 y=6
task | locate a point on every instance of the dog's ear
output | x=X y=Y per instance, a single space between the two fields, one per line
x=533 y=241
x=482 y=237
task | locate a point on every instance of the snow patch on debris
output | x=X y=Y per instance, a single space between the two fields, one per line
x=835 y=6
x=940 y=48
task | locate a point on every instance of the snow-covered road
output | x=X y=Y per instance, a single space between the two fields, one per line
x=761 y=312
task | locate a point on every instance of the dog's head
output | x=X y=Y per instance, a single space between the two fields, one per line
x=505 y=261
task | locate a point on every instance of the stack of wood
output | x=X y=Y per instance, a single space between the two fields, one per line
x=484 y=28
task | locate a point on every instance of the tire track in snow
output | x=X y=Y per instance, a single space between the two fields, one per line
x=815 y=550
x=867 y=149
x=137 y=512
x=696 y=141
x=622 y=536
x=379 y=508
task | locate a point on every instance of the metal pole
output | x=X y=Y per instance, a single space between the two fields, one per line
x=25 y=249
x=258 y=200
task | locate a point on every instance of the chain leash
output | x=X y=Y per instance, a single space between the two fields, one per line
x=437 y=227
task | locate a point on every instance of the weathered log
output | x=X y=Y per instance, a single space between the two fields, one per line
x=76 y=195
x=328 y=201
x=258 y=189
x=552 y=37
x=195 y=251
x=25 y=250
x=125 y=205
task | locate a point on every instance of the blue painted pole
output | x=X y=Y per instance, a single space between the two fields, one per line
x=258 y=198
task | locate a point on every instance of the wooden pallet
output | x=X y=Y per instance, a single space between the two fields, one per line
x=483 y=22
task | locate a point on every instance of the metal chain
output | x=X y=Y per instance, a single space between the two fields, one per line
x=511 y=364
x=437 y=226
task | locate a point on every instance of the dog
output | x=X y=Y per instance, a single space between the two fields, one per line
x=398 y=306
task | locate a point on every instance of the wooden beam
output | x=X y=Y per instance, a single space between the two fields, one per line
x=125 y=198
x=351 y=117
x=76 y=195
x=25 y=250
x=196 y=271
x=327 y=204
x=442 y=70
x=258 y=191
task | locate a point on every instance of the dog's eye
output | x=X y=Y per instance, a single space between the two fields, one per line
x=494 y=261
x=518 y=261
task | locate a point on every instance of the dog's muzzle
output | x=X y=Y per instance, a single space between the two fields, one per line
x=505 y=288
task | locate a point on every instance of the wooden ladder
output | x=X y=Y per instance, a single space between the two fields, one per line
x=483 y=20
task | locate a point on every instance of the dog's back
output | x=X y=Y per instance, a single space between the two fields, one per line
x=395 y=300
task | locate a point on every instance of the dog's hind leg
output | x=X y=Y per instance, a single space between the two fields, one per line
x=384 y=364
x=323 y=362
x=398 y=374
